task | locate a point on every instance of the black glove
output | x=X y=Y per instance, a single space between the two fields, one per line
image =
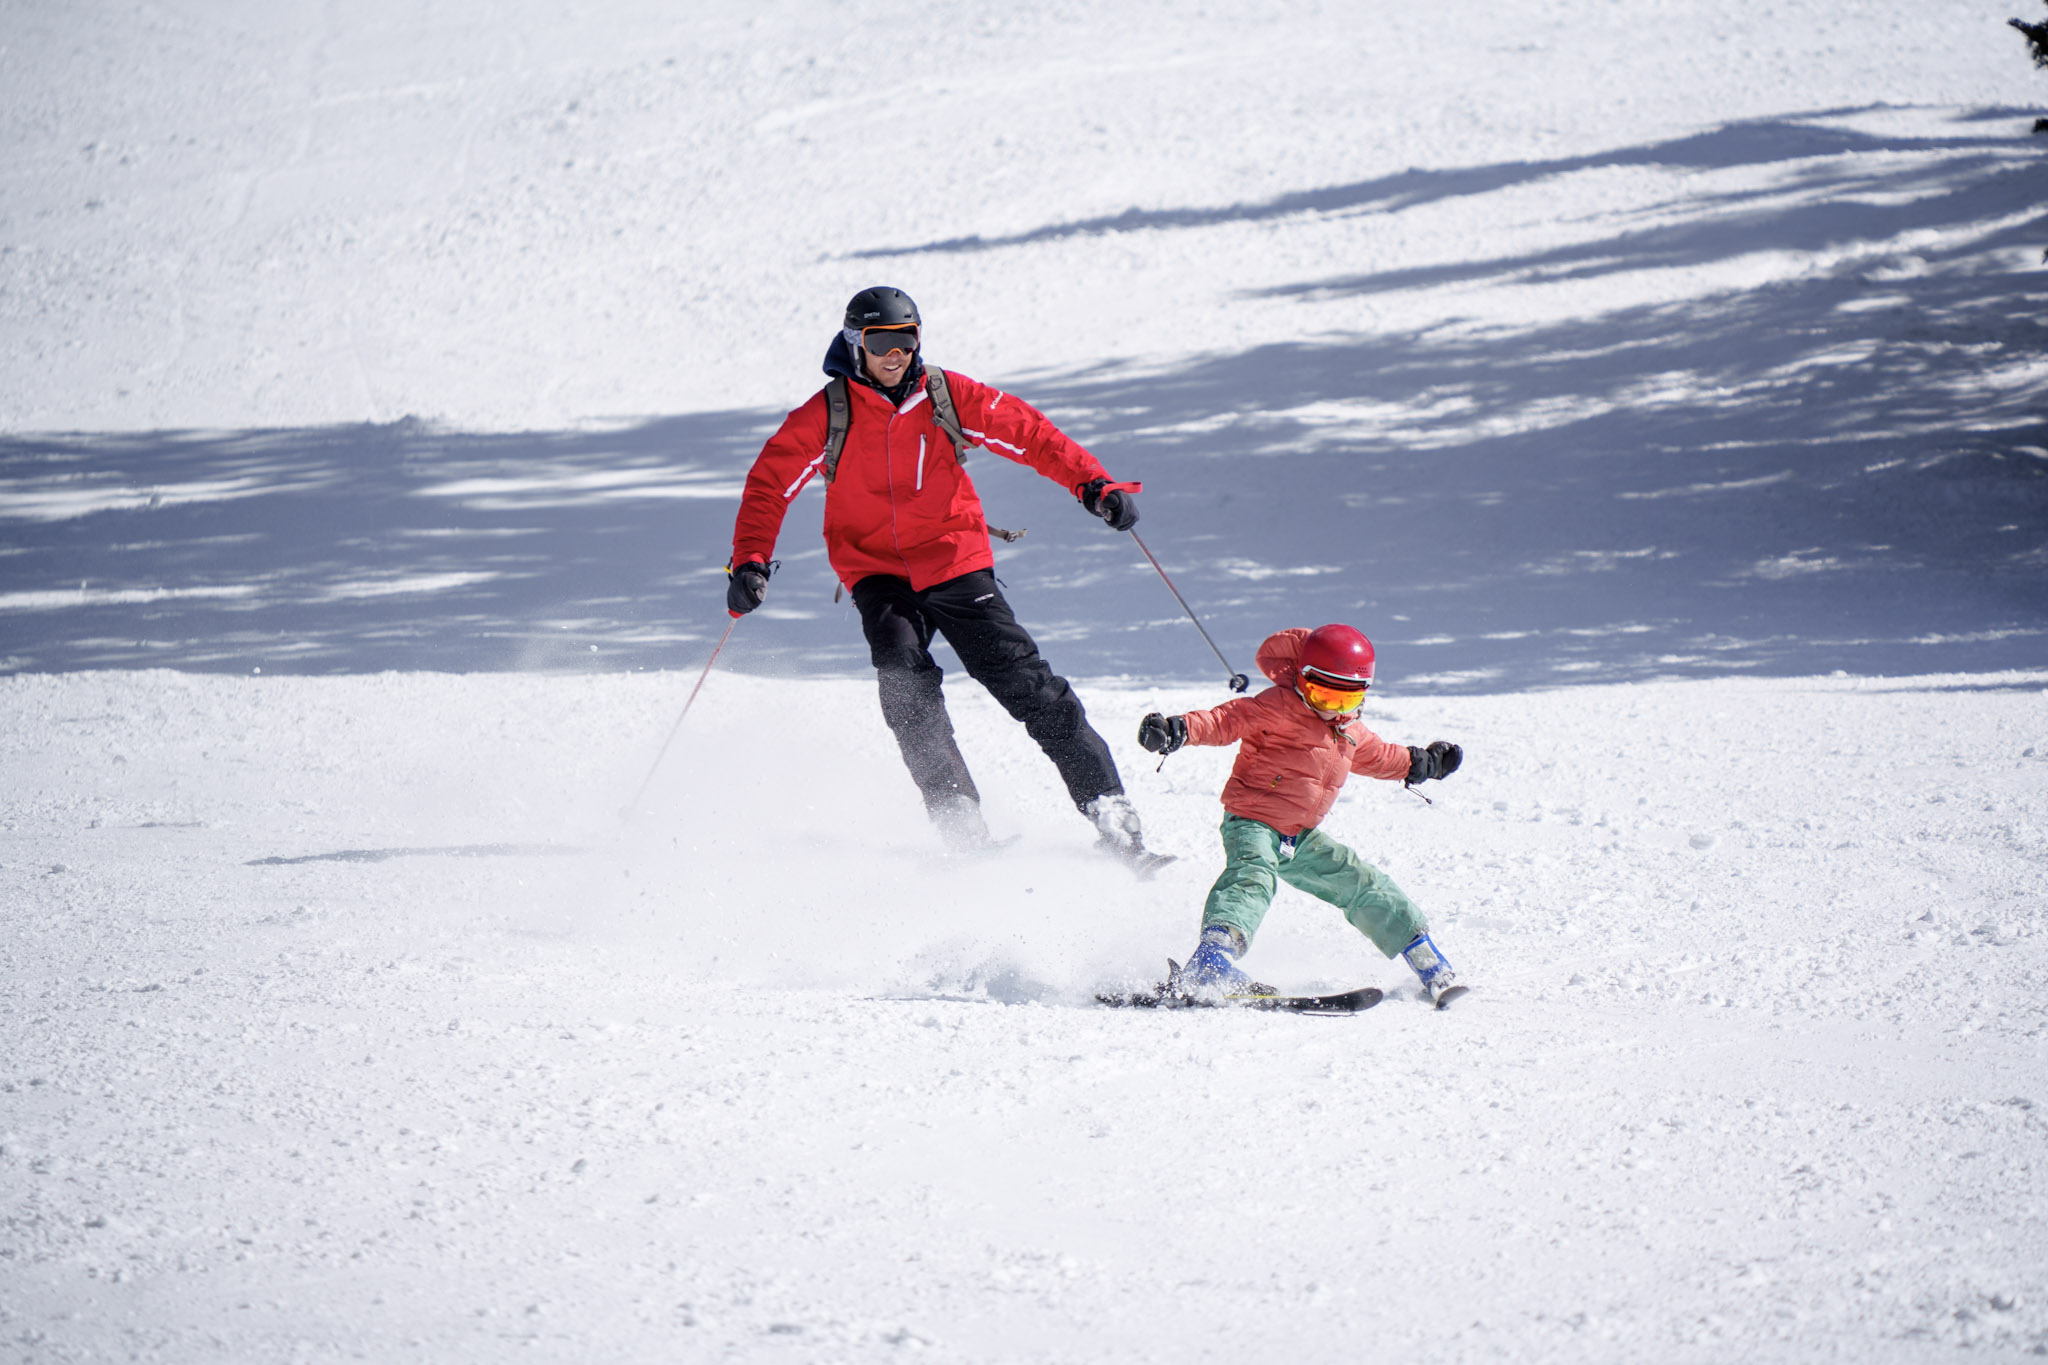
x=747 y=585
x=1440 y=759
x=1119 y=509
x=1162 y=734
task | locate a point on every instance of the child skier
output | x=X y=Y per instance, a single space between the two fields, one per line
x=1300 y=739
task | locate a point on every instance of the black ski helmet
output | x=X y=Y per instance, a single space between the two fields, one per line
x=881 y=306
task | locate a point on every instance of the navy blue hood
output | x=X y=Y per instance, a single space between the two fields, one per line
x=840 y=361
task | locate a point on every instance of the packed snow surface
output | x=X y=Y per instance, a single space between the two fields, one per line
x=347 y=1018
x=1661 y=386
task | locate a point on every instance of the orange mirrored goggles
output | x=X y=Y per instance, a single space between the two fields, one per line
x=1325 y=696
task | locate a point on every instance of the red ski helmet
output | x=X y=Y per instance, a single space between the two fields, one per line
x=1337 y=656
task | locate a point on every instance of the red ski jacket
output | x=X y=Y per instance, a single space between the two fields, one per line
x=900 y=502
x=1292 y=762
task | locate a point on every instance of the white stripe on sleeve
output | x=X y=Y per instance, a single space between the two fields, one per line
x=803 y=478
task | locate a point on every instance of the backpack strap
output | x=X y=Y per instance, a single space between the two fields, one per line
x=943 y=412
x=838 y=412
x=948 y=418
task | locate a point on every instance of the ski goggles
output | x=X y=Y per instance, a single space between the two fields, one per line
x=1326 y=695
x=884 y=341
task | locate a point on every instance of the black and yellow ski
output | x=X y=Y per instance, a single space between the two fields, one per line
x=1167 y=995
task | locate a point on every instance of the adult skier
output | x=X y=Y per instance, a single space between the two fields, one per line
x=904 y=531
x=1298 y=742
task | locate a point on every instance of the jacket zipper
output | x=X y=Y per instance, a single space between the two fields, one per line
x=895 y=531
x=919 y=486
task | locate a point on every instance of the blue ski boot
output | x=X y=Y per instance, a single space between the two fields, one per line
x=1439 y=982
x=1211 y=972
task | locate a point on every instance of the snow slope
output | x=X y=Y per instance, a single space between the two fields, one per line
x=526 y=215
x=349 y=1021
x=1691 y=368
x=1660 y=385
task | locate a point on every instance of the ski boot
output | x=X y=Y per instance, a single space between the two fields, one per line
x=1120 y=836
x=1439 y=982
x=960 y=825
x=1211 y=972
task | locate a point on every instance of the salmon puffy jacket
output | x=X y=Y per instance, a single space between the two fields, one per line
x=1291 y=763
x=900 y=503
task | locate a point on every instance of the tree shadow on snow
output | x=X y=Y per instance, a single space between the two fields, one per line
x=354 y=549
x=385 y=855
x=1846 y=470
x=1757 y=142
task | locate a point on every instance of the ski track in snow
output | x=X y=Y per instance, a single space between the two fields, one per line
x=1751 y=1068
x=1662 y=391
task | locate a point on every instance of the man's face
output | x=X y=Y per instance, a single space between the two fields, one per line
x=888 y=369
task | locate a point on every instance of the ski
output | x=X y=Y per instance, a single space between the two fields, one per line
x=1159 y=997
x=1342 y=1002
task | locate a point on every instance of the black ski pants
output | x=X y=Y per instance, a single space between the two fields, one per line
x=969 y=611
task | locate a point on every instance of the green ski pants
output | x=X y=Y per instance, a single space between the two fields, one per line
x=1320 y=866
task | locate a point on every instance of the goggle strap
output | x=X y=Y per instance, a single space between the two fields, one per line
x=1330 y=684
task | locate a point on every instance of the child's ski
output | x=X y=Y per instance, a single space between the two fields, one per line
x=1343 y=1002
x=1163 y=997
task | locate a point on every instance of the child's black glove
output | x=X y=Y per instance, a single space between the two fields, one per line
x=1117 y=508
x=1440 y=759
x=1162 y=734
x=747 y=585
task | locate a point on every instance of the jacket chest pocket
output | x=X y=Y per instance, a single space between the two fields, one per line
x=918 y=485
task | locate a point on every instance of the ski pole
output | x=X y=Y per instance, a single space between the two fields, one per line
x=1238 y=681
x=627 y=813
